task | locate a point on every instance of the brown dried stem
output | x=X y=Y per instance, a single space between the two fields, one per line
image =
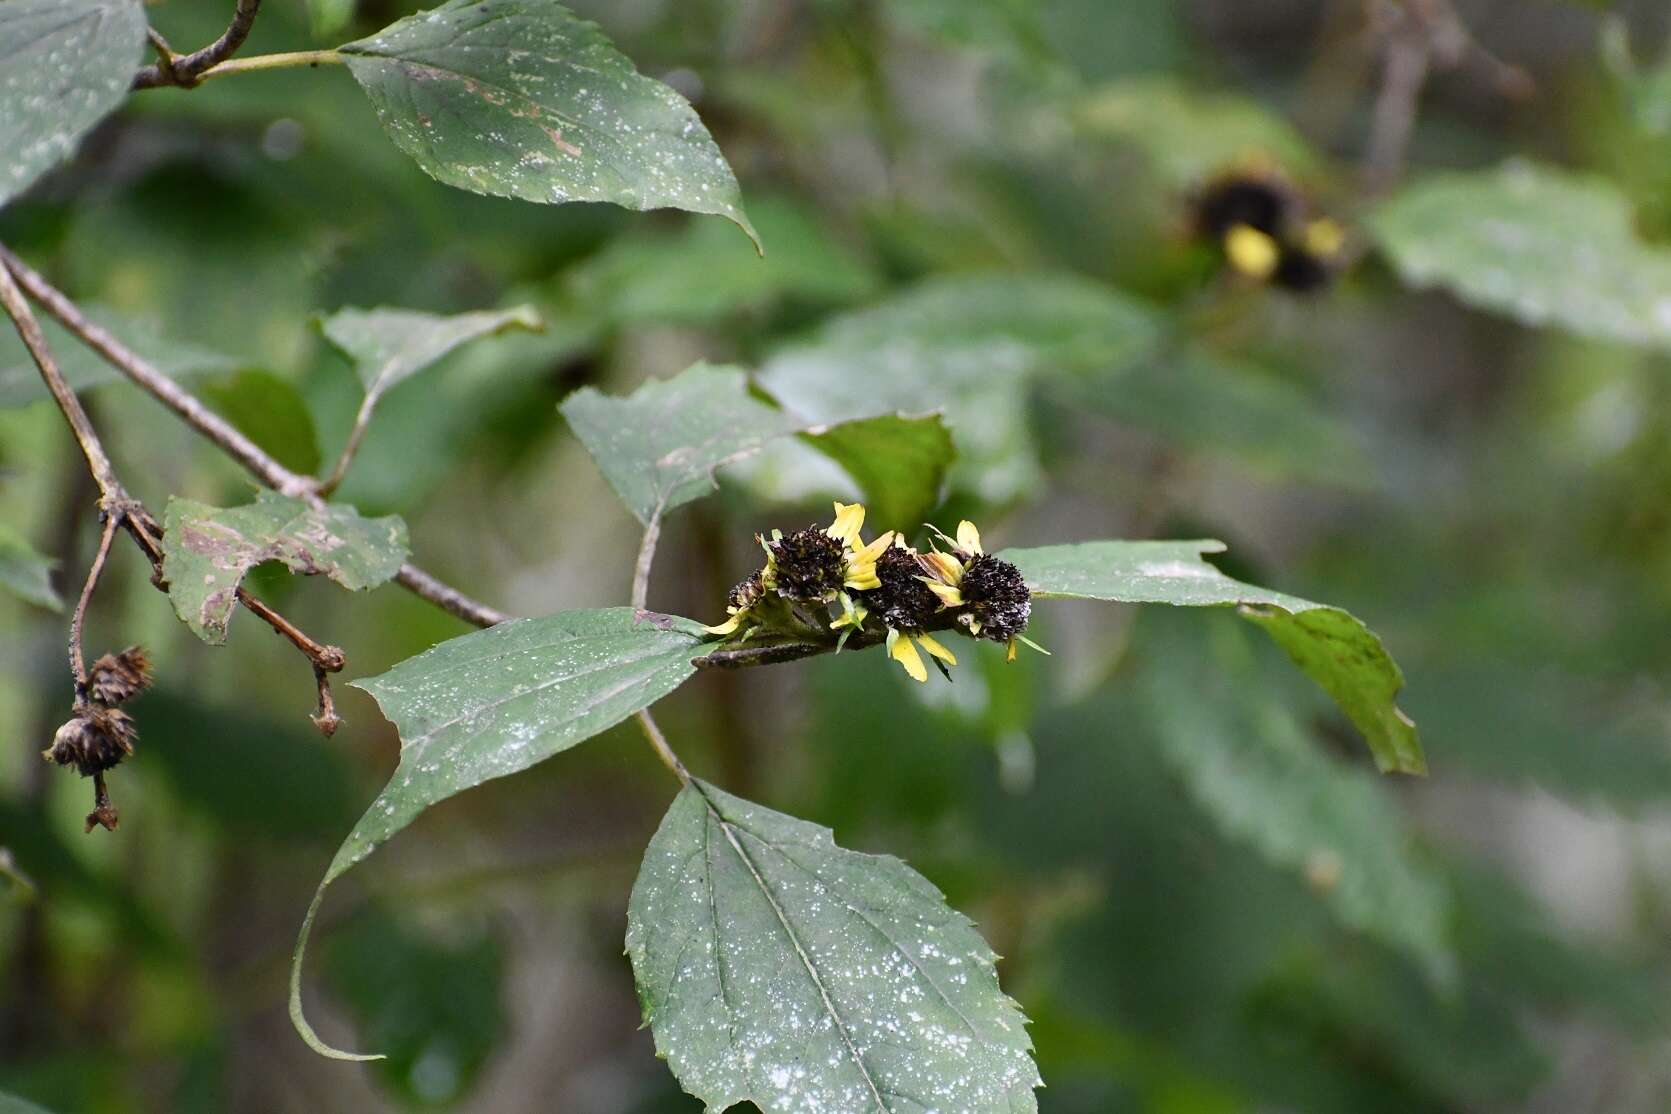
x=220 y=432
x=186 y=70
x=78 y=662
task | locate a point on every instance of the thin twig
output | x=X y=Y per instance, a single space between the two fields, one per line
x=328 y=658
x=325 y=717
x=659 y=744
x=185 y=70
x=78 y=662
x=646 y=558
x=219 y=431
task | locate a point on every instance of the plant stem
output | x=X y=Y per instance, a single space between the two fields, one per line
x=658 y=742
x=186 y=70
x=274 y=62
x=78 y=662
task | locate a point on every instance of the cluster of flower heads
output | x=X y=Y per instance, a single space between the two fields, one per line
x=100 y=734
x=882 y=585
x=1266 y=228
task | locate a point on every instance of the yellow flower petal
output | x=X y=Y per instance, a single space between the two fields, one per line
x=1251 y=251
x=968 y=538
x=902 y=651
x=728 y=626
x=942 y=566
x=849 y=519
x=863 y=579
x=1324 y=237
x=875 y=549
x=949 y=596
x=1009 y=653
x=935 y=648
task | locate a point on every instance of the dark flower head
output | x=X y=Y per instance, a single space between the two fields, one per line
x=902 y=600
x=745 y=593
x=996 y=601
x=1260 y=201
x=96 y=739
x=806 y=565
x=115 y=678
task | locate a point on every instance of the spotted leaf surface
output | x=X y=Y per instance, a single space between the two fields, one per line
x=1544 y=246
x=776 y=967
x=25 y=573
x=207 y=550
x=519 y=98
x=64 y=66
x=389 y=346
x=497 y=701
x=1333 y=647
x=660 y=445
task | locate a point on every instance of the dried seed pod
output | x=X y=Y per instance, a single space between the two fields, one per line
x=94 y=740
x=996 y=600
x=115 y=678
x=745 y=593
x=902 y=601
x=806 y=565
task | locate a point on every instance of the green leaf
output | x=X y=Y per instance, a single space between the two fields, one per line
x=271 y=412
x=11 y=1104
x=84 y=369
x=207 y=550
x=1187 y=134
x=777 y=967
x=519 y=98
x=973 y=345
x=1542 y=245
x=899 y=463
x=327 y=17
x=66 y=65
x=1251 y=767
x=703 y=273
x=659 y=446
x=1335 y=649
x=494 y=702
x=25 y=573
x=389 y=346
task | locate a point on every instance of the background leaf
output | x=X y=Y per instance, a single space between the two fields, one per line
x=776 y=967
x=1189 y=134
x=1542 y=245
x=1248 y=763
x=25 y=573
x=972 y=344
x=389 y=346
x=497 y=701
x=520 y=98
x=66 y=65
x=899 y=463
x=84 y=369
x=1334 y=648
x=269 y=411
x=207 y=550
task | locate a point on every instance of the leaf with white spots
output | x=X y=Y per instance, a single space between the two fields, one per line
x=776 y=967
x=520 y=98
x=64 y=66
x=1332 y=646
x=494 y=702
x=207 y=550
x=1545 y=246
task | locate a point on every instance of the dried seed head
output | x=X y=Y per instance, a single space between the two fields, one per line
x=115 y=678
x=903 y=601
x=807 y=565
x=746 y=593
x=996 y=598
x=1259 y=201
x=96 y=739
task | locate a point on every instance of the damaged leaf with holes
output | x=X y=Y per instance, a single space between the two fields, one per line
x=208 y=550
x=776 y=967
